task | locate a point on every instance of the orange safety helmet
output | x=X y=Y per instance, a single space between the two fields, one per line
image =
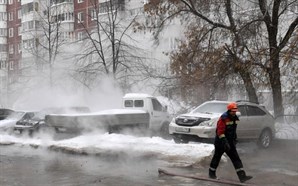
x=232 y=106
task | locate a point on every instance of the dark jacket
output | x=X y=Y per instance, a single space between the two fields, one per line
x=226 y=127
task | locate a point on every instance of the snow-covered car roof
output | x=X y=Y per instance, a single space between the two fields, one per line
x=137 y=95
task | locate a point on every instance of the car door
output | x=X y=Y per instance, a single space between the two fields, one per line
x=157 y=114
x=255 y=119
x=243 y=124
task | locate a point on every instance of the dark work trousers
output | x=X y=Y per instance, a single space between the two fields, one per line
x=232 y=153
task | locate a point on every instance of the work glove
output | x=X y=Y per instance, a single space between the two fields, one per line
x=226 y=145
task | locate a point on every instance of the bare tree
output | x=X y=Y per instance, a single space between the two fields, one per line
x=233 y=19
x=46 y=39
x=271 y=16
x=108 y=46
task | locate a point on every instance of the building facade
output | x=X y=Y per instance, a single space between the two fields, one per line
x=25 y=26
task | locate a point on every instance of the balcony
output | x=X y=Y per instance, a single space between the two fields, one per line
x=65 y=7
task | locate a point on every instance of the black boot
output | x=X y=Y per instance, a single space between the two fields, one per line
x=212 y=174
x=242 y=176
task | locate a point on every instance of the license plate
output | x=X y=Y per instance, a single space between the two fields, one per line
x=181 y=129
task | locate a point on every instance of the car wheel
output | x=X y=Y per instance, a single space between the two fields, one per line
x=265 y=139
x=180 y=139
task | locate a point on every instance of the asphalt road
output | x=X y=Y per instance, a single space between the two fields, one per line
x=24 y=166
x=275 y=166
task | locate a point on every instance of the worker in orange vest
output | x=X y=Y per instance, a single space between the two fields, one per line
x=225 y=142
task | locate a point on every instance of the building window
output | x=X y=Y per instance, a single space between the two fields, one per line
x=3 y=1
x=80 y=17
x=19 y=14
x=11 y=65
x=10 y=32
x=3 y=32
x=108 y=6
x=54 y=2
x=62 y=17
x=29 y=7
x=10 y=16
x=3 y=48
x=28 y=44
x=10 y=2
x=93 y=14
x=19 y=30
x=19 y=47
x=3 y=64
x=80 y=36
x=30 y=25
x=11 y=49
x=80 y=1
x=3 y=16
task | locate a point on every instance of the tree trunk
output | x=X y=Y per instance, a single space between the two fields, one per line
x=274 y=77
x=250 y=89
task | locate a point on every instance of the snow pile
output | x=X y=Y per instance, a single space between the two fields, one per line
x=119 y=144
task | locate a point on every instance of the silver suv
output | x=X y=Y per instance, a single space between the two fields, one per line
x=256 y=123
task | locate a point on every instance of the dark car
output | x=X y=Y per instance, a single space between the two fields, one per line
x=9 y=119
x=30 y=121
x=4 y=113
x=34 y=121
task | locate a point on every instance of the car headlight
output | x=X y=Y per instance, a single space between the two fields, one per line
x=209 y=123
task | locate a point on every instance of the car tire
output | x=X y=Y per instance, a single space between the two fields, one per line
x=265 y=139
x=180 y=139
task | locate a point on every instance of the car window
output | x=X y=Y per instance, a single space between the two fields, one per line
x=242 y=110
x=128 y=103
x=156 y=105
x=255 y=111
x=139 y=103
x=28 y=115
x=134 y=103
x=211 y=108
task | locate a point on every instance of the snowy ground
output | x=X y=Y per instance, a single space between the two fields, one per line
x=114 y=144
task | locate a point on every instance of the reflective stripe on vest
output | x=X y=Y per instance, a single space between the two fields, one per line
x=231 y=122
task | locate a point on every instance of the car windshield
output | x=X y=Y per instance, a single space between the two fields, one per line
x=33 y=116
x=210 y=107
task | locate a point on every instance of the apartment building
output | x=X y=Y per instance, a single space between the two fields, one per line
x=10 y=43
x=22 y=24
